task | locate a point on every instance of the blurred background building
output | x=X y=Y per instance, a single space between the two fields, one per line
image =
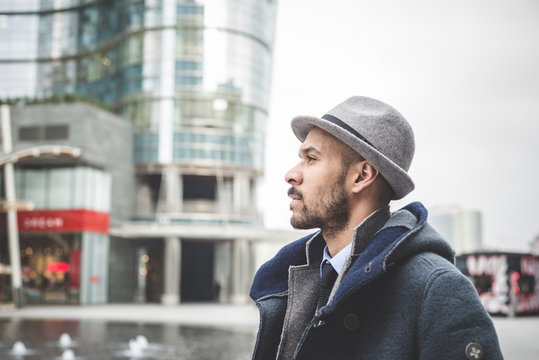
x=66 y=232
x=463 y=228
x=167 y=184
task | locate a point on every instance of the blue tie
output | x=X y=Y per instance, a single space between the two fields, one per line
x=329 y=275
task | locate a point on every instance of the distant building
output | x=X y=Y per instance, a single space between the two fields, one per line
x=534 y=245
x=193 y=79
x=506 y=282
x=463 y=228
x=64 y=238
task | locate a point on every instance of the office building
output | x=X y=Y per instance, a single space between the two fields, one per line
x=463 y=228
x=64 y=236
x=192 y=78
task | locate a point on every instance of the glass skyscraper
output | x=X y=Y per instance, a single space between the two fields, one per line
x=193 y=77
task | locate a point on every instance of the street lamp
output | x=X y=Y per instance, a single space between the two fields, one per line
x=9 y=204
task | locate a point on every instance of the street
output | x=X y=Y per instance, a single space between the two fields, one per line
x=519 y=337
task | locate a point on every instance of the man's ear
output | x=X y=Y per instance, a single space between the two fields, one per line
x=364 y=175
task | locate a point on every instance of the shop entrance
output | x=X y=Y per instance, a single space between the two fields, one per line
x=50 y=268
x=197 y=272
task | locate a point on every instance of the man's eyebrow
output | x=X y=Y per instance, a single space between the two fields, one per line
x=309 y=149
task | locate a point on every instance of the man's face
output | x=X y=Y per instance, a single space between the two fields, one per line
x=319 y=199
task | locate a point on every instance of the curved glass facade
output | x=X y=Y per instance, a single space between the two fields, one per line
x=192 y=75
x=181 y=65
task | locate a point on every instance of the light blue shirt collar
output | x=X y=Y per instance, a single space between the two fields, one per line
x=338 y=260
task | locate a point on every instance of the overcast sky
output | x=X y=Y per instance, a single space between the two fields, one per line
x=465 y=73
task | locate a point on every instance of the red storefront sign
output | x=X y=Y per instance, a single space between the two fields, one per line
x=60 y=266
x=78 y=220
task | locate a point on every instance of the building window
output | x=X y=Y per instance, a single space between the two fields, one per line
x=56 y=132
x=199 y=187
x=526 y=285
x=48 y=132
x=30 y=133
x=483 y=283
x=190 y=9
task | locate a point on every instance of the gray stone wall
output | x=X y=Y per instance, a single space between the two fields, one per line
x=106 y=141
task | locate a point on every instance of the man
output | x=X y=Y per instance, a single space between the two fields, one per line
x=370 y=284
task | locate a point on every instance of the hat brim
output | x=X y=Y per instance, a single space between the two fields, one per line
x=398 y=178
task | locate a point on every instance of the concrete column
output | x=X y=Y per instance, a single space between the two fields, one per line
x=170 y=191
x=223 y=269
x=240 y=271
x=241 y=193
x=13 y=231
x=224 y=196
x=172 y=271
x=94 y=268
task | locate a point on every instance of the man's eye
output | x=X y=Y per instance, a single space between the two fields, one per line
x=310 y=158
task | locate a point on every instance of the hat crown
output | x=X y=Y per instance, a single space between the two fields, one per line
x=381 y=125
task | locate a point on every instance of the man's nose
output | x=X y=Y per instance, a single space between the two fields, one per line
x=293 y=176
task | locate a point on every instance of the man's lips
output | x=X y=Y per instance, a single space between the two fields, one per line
x=294 y=194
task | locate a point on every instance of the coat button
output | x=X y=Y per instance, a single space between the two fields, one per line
x=351 y=322
x=368 y=268
x=474 y=351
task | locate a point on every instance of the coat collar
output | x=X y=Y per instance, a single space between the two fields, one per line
x=395 y=241
x=387 y=246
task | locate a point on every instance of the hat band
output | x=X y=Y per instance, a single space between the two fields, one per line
x=334 y=120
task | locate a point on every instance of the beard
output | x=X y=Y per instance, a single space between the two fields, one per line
x=329 y=212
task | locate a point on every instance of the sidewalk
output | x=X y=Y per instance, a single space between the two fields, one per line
x=209 y=315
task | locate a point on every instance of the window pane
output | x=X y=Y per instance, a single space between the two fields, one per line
x=60 y=194
x=56 y=132
x=35 y=183
x=30 y=133
x=79 y=178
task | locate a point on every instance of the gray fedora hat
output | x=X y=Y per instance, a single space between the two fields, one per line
x=376 y=131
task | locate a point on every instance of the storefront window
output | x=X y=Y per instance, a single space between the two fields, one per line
x=32 y=190
x=59 y=194
x=64 y=188
x=50 y=268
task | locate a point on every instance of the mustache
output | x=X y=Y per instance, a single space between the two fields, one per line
x=295 y=192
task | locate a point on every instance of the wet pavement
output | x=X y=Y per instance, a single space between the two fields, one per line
x=128 y=331
x=90 y=339
x=184 y=332
x=203 y=314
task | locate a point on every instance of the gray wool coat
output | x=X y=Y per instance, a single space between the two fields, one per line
x=399 y=297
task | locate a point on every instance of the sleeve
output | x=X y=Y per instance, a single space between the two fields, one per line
x=453 y=324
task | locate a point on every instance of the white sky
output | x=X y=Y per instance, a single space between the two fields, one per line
x=465 y=73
